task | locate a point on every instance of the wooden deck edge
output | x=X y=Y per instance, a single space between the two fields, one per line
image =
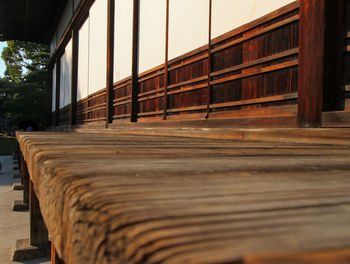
x=336 y=119
x=326 y=136
x=339 y=256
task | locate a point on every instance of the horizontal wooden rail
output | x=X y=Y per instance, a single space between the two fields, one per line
x=151 y=113
x=185 y=109
x=122 y=103
x=256 y=34
x=152 y=92
x=276 y=67
x=121 y=99
x=151 y=76
x=273 y=57
x=199 y=79
x=142 y=99
x=188 y=62
x=187 y=89
x=268 y=99
x=121 y=116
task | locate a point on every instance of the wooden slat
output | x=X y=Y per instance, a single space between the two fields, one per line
x=257 y=71
x=114 y=197
x=255 y=34
x=199 y=79
x=260 y=100
x=273 y=57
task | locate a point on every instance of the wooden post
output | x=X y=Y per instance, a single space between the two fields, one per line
x=209 y=62
x=25 y=180
x=313 y=65
x=74 y=83
x=166 y=74
x=49 y=98
x=58 y=80
x=38 y=231
x=135 y=59
x=110 y=62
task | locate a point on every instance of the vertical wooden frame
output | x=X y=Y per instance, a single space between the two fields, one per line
x=135 y=59
x=166 y=65
x=49 y=97
x=74 y=81
x=58 y=81
x=38 y=231
x=209 y=61
x=25 y=180
x=311 y=62
x=110 y=62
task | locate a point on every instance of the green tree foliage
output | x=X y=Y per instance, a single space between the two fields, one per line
x=21 y=57
x=23 y=97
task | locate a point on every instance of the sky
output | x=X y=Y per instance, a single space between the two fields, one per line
x=2 y=64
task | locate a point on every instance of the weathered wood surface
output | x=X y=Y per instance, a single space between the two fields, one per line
x=118 y=198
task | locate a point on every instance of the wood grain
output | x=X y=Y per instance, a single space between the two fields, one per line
x=113 y=197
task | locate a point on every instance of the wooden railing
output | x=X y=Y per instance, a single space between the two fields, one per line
x=292 y=62
x=92 y=108
x=252 y=67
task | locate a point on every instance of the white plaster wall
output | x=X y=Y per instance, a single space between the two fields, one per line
x=152 y=34
x=83 y=61
x=65 y=19
x=54 y=88
x=66 y=76
x=98 y=46
x=231 y=14
x=188 y=25
x=122 y=39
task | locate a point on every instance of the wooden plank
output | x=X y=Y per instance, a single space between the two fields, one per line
x=336 y=119
x=212 y=201
x=311 y=62
x=242 y=66
x=254 y=24
x=257 y=71
x=275 y=98
x=339 y=256
x=255 y=34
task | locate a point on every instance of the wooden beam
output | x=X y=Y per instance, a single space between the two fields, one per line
x=209 y=62
x=110 y=62
x=311 y=62
x=49 y=97
x=58 y=80
x=166 y=66
x=74 y=83
x=135 y=60
x=38 y=231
